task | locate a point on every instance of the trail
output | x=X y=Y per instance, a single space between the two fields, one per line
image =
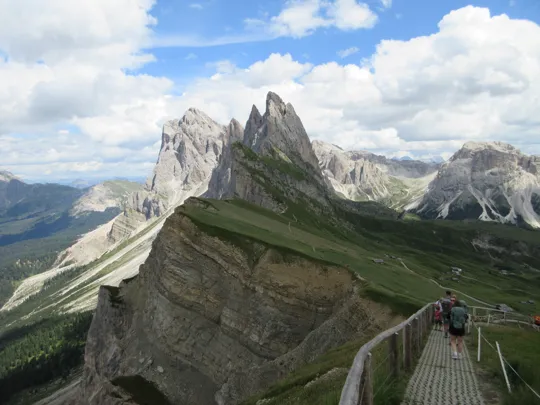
x=448 y=288
x=438 y=379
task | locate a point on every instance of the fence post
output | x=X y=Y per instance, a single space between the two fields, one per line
x=426 y=323
x=479 y=343
x=407 y=347
x=429 y=320
x=420 y=330
x=416 y=331
x=503 y=367
x=393 y=348
x=367 y=382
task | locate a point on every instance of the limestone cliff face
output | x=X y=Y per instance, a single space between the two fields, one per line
x=281 y=128
x=275 y=164
x=363 y=176
x=190 y=150
x=491 y=181
x=211 y=321
x=221 y=176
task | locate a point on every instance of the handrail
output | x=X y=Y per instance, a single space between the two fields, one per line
x=350 y=394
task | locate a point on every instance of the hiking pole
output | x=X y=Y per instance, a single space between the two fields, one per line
x=503 y=367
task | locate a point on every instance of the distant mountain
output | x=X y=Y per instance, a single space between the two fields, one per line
x=361 y=176
x=437 y=159
x=190 y=150
x=37 y=221
x=402 y=158
x=490 y=181
x=80 y=183
x=112 y=193
x=6 y=176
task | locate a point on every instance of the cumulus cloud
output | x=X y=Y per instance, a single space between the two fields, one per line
x=71 y=64
x=300 y=18
x=196 y=6
x=477 y=77
x=347 y=52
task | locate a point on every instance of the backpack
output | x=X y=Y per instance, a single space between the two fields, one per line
x=458 y=318
x=446 y=306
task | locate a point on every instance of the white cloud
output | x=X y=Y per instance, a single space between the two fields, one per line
x=31 y=30
x=351 y=15
x=78 y=109
x=347 y=52
x=300 y=18
x=478 y=78
x=196 y=6
x=386 y=3
x=190 y=56
x=68 y=62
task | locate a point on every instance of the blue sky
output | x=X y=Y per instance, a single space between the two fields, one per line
x=84 y=93
x=207 y=21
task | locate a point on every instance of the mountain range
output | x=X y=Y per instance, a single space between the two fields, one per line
x=487 y=181
x=38 y=221
x=246 y=249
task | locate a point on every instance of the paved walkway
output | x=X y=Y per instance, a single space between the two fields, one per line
x=439 y=380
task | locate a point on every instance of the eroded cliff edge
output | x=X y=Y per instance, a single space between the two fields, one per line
x=214 y=317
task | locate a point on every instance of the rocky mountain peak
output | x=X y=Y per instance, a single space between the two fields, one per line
x=253 y=123
x=491 y=181
x=195 y=136
x=281 y=129
x=236 y=130
x=6 y=176
x=496 y=146
x=274 y=104
x=360 y=175
x=190 y=150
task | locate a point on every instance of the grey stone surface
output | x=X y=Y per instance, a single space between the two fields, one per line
x=440 y=380
x=223 y=323
x=491 y=181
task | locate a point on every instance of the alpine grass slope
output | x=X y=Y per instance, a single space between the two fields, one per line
x=282 y=245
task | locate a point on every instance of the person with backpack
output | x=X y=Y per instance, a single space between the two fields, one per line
x=438 y=315
x=458 y=317
x=446 y=305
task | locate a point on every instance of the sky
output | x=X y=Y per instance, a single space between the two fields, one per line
x=85 y=87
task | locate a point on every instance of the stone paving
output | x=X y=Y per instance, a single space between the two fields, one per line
x=440 y=380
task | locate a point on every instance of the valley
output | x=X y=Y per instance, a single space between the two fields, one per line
x=248 y=248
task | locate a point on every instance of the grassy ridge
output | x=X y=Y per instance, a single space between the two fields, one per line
x=429 y=250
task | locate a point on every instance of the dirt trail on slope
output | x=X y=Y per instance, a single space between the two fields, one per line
x=448 y=288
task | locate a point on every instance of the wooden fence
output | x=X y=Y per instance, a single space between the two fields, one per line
x=369 y=374
x=497 y=316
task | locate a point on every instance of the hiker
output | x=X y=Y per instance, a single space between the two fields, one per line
x=438 y=315
x=466 y=308
x=457 y=328
x=446 y=305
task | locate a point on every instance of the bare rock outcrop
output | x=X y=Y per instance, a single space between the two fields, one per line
x=490 y=181
x=190 y=151
x=223 y=319
x=364 y=176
